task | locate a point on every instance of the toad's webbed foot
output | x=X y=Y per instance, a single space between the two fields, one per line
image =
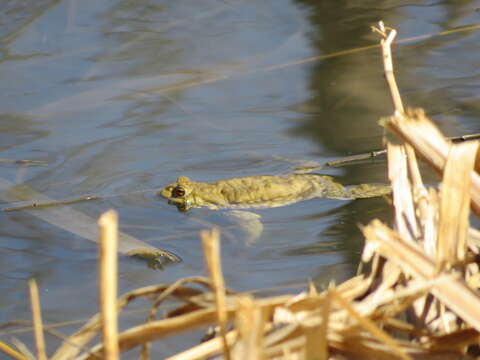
x=155 y=258
x=249 y=222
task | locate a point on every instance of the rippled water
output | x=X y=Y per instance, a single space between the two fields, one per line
x=122 y=97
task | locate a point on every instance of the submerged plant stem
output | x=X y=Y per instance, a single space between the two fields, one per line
x=36 y=205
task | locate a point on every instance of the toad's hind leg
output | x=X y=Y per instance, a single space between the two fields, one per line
x=367 y=191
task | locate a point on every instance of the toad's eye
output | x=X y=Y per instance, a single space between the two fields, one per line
x=178 y=191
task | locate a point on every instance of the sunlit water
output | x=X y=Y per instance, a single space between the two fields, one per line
x=124 y=96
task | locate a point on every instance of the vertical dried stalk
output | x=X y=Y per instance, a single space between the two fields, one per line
x=419 y=190
x=250 y=324
x=37 y=319
x=108 y=282
x=405 y=219
x=429 y=142
x=317 y=339
x=211 y=249
x=455 y=204
x=386 y=42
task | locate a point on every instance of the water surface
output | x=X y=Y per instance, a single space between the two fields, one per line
x=122 y=97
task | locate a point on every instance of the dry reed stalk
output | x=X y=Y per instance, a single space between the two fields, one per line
x=455 y=205
x=108 y=245
x=155 y=330
x=322 y=338
x=403 y=205
x=427 y=140
x=452 y=291
x=183 y=320
x=37 y=320
x=23 y=349
x=74 y=344
x=385 y=43
x=250 y=325
x=173 y=290
x=290 y=349
x=7 y=349
x=416 y=179
x=370 y=326
x=211 y=250
x=448 y=249
x=457 y=340
x=206 y=349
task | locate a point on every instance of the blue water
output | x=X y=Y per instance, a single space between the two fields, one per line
x=122 y=96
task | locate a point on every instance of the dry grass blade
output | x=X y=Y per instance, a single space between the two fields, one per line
x=37 y=320
x=211 y=249
x=8 y=350
x=108 y=282
x=74 y=344
x=23 y=349
x=455 y=205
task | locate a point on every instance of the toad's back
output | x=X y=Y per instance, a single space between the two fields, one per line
x=262 y=191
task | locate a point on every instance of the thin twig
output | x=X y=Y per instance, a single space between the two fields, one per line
x=37 y=319
x=347 y=160
x=108 y=282
x=462 y=138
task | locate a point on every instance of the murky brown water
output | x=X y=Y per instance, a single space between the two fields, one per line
x=120 y=96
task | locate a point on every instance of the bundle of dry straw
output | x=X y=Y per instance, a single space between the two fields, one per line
x=419 y=299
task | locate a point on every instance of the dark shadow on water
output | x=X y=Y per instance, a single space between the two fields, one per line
x=344 y=236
